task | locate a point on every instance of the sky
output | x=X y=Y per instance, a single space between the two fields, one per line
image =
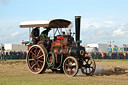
x=102 y=21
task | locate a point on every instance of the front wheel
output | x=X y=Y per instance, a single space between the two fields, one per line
x=70 y=66
x=88 y=67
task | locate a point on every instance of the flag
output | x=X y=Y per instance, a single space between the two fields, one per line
x=125 y=45
x=115 y=46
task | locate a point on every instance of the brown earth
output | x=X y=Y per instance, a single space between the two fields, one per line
x=111 y=67
x=108 y=72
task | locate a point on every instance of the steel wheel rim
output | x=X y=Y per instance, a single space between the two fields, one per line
x=70 y=66
x=36 y=59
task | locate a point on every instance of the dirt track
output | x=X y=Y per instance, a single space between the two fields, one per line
x=112 y=67
x=106 y=68
x=108 y=72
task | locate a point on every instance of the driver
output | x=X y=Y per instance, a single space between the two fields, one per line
x=44 y=34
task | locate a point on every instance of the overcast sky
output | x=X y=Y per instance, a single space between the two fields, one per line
x=102 y=20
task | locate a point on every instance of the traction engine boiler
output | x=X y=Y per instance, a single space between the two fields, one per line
x=63 y=53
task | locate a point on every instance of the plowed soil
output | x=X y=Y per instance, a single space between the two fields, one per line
x=108 y=72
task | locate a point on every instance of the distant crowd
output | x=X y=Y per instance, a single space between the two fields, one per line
x=4 y=55
x=109 y=55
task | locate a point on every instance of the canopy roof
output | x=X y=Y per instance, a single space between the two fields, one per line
x=56 y=23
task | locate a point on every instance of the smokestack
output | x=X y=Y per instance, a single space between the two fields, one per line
x=77 y=29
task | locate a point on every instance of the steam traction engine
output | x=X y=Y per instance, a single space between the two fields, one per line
x=61 y=53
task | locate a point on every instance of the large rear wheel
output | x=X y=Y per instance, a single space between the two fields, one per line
x=36 y=59
x=70 y=66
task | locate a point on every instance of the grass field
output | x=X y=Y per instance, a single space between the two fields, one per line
x=109 y=72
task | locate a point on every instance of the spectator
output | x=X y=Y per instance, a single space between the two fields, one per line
x=124 y=55
x=0 y=54
x=103 y=55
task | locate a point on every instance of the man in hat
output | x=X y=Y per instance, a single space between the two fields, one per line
x=44 y=34
x=35 y=35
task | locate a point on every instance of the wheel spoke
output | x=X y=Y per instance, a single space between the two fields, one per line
x=74 y=67
x=41 y=61
x=71 y=71
x=31 y=51
x=87 y=61
x=33 y=54
x=90 y=63
x=36 y=68
x=72 y=61
x=86 y=70
x=35 y=50
x=38 y=65
x=40 y=56
x=68 y=61
x=89 y=70
x=38 y=53
x=31 y=59
x=33 y=65
x=66 y=64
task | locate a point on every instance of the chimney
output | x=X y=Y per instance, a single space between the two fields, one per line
x=77 y=29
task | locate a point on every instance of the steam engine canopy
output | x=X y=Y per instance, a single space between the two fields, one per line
x=77 y=51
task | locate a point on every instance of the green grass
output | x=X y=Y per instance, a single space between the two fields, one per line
x=56 y=80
